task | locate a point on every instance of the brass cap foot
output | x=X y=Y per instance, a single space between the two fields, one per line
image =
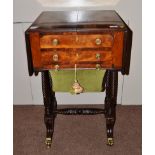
x=110 y=141
x=48 y=142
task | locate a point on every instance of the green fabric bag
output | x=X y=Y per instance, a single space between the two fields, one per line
x=90 y=80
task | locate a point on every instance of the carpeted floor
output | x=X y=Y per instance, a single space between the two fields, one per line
x=77 y=135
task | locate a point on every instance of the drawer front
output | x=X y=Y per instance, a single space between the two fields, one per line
x=67 y=59
x=76 y=41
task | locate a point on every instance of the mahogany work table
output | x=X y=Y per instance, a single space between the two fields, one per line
x=57 y=40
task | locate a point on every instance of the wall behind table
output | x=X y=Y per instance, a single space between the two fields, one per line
x=27 y=90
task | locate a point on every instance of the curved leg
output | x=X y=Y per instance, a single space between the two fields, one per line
x=110 y=104
x=50 y=106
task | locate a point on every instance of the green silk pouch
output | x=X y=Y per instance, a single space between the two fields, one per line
x=90 y=80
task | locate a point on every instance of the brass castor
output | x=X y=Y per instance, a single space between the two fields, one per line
x=110 y=141
x=48 y=142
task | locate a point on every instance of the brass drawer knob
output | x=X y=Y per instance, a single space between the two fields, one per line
x=98 y=66
x=55 y=42
x=56 y=67
x=98 y=41
x=98 y=56
x=55 y=57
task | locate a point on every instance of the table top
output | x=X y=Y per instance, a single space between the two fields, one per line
x=77 y=19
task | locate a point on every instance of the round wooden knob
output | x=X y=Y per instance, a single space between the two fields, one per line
x=55 y=42
x=98 y=41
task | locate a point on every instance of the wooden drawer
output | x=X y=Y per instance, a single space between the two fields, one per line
x=67 y=59
x=76 y=41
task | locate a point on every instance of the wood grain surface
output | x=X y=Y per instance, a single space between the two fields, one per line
x=77 y=49
x=76 y=41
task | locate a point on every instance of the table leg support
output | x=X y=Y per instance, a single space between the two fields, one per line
x=110 y=104
x=50 y=105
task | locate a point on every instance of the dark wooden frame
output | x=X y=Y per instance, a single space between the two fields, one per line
x=50 y=103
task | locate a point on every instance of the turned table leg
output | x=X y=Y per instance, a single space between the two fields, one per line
x=50 y=105
x=110 y=103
